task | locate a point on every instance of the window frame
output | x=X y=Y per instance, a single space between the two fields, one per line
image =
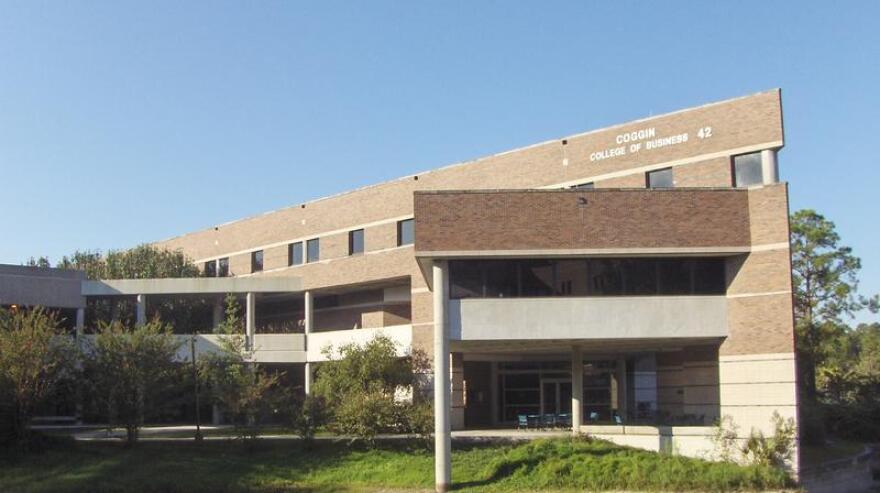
x=656 y=171
x=352 y=236
x=257 y=265
x=223 y=267
x=291 y=254
x=309 y=243
x=400 y=232
x=212 y=271
x=733 y=180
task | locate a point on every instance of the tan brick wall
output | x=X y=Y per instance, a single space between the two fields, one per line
x=759 y=272
x=533 y=220
x=710 y=173
x=759 y=325
x=768 y=210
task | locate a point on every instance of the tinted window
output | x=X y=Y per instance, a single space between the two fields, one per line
x=295 y=253
x=709 y=276
x=406 y=232
x=571 y=277
x=257 y=261
x=537 y=277
x=356 y=242
x=605 y=277
x=313 y=250
x=640 y=276
x=747 y=170
x=223 y=267
x=662 y=178
x=501 y=278
x=211 y=268
x=587 y=277
x=465 y=279
x=674 y=276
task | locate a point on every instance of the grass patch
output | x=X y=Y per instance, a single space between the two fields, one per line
x=285 y=465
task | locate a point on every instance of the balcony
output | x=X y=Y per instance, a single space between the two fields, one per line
x=631 y=318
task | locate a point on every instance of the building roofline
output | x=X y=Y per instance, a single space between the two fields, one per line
x=472 y=161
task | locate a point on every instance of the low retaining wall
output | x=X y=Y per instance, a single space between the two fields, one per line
x=690 y=441
x=850 y=475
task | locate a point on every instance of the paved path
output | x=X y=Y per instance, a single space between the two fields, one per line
x=223 y=432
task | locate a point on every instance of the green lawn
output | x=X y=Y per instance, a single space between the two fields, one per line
x=284 y=465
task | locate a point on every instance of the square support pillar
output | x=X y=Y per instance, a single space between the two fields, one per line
x=577 y=390
x=141 y=318
x=250 y=319
x=217 y=314
x=308 y=323
x=80 y=321
x=458 y=389
x=442 y=387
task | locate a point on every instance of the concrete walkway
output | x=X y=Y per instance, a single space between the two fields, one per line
x=224 y=432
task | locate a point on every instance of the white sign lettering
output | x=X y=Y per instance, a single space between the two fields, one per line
x=645 y=139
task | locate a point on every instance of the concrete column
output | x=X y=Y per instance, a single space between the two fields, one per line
x=577 y=390
x=141 y=309
x=217 y=314
x=442 y=390
x=80 y=321
x=769 y=166
x=250 y=318
x=620 y=377
x=308 y=322
x=458 y=390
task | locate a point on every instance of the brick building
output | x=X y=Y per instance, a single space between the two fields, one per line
x=633 y=280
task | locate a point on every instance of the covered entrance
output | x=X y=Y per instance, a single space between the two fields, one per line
x=556 y=396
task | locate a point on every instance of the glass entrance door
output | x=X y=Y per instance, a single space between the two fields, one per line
x=555 y=396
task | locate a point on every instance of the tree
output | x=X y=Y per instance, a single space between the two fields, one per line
x=132 y=372
x=140 y=262
x=234 y=382
x=365 y=388
x=825 y=281
x=34 y=362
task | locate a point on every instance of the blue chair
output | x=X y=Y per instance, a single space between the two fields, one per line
x=522 y=421
x=548 y=421
x=618 y=420
x=594 y=416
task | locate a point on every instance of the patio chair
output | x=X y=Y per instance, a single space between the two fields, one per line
x=548 y=421
x=522 y=422
x=618 y=420
x=563 y=420
x=594 y=416
x=534 y=421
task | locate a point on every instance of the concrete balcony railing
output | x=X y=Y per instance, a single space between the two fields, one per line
x=585 y=318
x=317 y=341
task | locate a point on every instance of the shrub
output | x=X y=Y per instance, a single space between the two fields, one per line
x=34 y=363
x=132 y=372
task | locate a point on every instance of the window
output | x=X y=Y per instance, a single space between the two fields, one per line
x=406 y=233
x=356 y=242
x=586 y=277
x=211 y=268
x=295 y=253
x=585 y=186
x=662 y=178
x=466 y=279
x=747 y=170
x=257 y=261
x=313 y=250
x=223 y=267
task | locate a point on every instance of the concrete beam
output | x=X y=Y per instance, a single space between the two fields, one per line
x=192 y=285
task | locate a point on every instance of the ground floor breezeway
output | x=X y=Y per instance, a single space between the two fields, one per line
x=535 y=390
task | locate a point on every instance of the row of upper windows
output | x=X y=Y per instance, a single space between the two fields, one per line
x=356 y=246
x=746 y=170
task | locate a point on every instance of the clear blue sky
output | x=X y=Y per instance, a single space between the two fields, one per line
x=128 y=122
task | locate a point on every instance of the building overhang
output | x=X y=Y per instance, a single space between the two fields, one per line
x=192 y=285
